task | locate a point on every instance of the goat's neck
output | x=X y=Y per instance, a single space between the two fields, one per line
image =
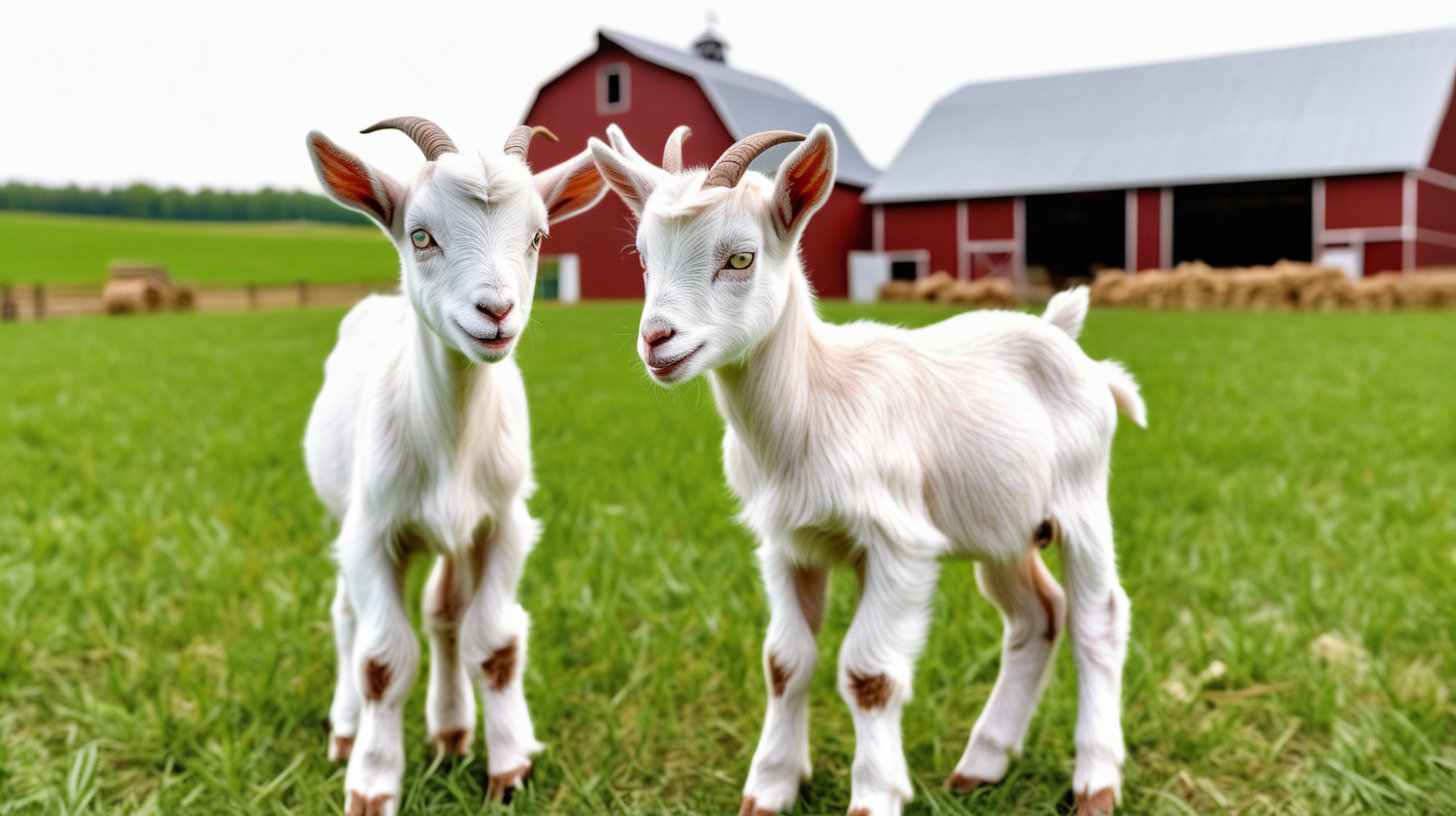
x=765 y=395
x=440 y=379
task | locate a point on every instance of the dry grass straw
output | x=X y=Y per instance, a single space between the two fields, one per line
x=1285 y=286
x=942 y=287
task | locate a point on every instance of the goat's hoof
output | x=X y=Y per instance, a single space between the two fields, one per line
x=452 y=743
x=361 y=805
x=340 y=747
x=503 y=784
x=750 y=808
x=959 y=783
x=1098 y=804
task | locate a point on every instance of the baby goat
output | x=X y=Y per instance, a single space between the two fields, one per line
x=416 y=448
x=986 y=436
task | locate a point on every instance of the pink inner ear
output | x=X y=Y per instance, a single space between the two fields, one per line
x=804 y=183
x=348 y=180
x=584 y=183
x=621 y=182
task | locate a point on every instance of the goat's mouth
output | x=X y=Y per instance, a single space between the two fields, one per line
x=666 y=371
x=495 y=345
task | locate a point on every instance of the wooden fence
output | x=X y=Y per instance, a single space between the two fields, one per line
x=53 y=300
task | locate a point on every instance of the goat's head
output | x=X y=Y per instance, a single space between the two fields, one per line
x=468 y=228
x=719 y=247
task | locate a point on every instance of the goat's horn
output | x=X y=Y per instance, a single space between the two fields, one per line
x=520 y=140
x=729 y=168
x=672 y=153
x=426 y=134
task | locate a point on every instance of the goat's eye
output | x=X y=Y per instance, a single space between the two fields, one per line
x=421 y=239
x=536 y=242
x=742 y=260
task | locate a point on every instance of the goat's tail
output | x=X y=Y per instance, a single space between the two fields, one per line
x=1067 y=310
x=1125 y=392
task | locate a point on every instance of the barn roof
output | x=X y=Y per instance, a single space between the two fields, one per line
x=749 y=104
x=1365 y=106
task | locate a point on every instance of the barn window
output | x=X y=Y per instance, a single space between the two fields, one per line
x=614 y=89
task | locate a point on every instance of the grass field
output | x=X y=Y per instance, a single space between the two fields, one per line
x=42 y=248
x=164 y=582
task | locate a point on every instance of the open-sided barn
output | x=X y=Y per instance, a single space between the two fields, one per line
x=649 y=89
x=1344 y=153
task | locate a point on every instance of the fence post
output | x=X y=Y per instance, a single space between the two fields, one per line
x=252 y=296
x=40 y=301
x=7 y=305
x=303 y=293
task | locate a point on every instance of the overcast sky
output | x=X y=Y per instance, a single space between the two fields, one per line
x=221 y=93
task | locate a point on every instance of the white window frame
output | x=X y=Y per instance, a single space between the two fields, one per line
x=624 y=85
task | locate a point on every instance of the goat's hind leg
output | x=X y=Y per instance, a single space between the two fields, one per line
x=450 y=703
x=1033 y=610
x=344 y=712
x=1098 y=616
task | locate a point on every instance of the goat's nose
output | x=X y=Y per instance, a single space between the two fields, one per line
x=657 y=335
x=495 y=310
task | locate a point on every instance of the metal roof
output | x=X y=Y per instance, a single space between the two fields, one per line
x=750 y=104
x=1365 y=106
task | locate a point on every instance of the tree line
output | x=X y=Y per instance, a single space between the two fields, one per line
x=145 y=201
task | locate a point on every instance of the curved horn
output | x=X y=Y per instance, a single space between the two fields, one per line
x=672 y=153
x=520 y=140
x=729 y=168
x=426 y=134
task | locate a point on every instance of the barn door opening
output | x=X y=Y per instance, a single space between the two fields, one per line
x=1244 y=224
x=1075 y=235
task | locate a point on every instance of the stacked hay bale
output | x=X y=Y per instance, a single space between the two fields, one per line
x=144 y=288
x=1285 y=286
x=942 y=287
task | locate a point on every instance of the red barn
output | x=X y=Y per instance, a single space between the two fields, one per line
x=1344 y=153
x=649 y=89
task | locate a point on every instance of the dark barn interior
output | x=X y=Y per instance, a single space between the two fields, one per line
x=1075 y=234
x=1244 y=224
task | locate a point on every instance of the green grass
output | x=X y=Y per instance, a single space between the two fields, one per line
x=164 y=579
x=37 y=248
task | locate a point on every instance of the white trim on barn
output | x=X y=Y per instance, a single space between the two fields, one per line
x=1165 y=228
x=1130 y=258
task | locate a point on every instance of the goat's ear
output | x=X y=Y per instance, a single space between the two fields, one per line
x=804 y=181
x=634 y=181
x=353 y=183
x=572 y=187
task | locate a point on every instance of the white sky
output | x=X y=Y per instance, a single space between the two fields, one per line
x=221 y=93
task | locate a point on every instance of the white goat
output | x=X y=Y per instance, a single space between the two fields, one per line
x=986 y=436
x=415 y=448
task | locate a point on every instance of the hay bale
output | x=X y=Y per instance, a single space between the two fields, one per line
x=928 y=287
x=897 y=291
x=987 y=293
x=130 y=295
x=1110 y=288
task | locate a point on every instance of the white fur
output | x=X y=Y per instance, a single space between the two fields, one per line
x=888 y=449
x=416 y=448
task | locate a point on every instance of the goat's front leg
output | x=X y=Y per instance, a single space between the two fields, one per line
x=385 y=657
x=796 y=597
x=493 y=648
x=876 y=670
x=344 y=712
x=450 y=704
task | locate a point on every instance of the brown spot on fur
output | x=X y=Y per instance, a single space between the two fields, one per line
x=750 y=808
x=376 y=679
x=501 y=785
x=371 y=806
x=1098 y=804
x=777 y=674
x=859 y=812
x=964 y=784
x=452 y=743
x=871 y=691
x=447 y=601
x=1034 y=575
x=500 y=666
x=340 y=749
x=1046 y=532
x=811 y=585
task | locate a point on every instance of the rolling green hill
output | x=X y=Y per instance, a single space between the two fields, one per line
x=44 y=248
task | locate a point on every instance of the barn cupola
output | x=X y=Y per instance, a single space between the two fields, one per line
x=710 y=45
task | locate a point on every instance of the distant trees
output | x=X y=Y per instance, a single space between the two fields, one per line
x=145 y=201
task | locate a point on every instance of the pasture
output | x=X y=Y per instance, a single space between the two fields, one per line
x=45 y=248
x=1286 y=532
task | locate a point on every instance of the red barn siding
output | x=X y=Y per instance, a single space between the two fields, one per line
x=1149 y=230
x=930 y=226
x=1364 y=201
x=1436 y=208
x=1384 y=256
x=1443 y=155
x=1428 y=254
x=990 y=219
x=660 y=100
